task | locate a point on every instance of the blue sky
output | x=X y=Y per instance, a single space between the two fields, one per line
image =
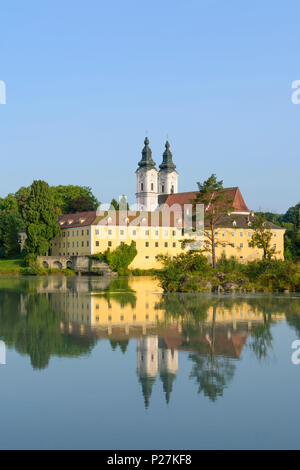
x=85 y=80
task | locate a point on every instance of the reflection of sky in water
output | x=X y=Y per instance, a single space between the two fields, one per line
x=96 y=365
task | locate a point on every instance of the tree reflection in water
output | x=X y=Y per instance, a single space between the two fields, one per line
x=58 y=317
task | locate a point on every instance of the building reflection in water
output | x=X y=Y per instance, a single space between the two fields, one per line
x=76 y=313
x=153 y=358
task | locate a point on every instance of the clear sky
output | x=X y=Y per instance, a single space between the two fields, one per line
x=86 y=79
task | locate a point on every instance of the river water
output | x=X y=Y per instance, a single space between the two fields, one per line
x=90 y=363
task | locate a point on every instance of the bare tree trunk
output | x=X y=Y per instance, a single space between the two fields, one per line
x=213 y=248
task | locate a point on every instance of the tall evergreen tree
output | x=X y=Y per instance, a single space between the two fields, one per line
x=11 y=237
x=40 y=218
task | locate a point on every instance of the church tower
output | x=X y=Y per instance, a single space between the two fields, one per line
x=146 y=174
x=168 y=176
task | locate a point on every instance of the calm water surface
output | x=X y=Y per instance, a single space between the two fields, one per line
x=88 y=363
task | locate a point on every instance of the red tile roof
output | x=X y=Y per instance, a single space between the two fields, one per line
x=232 y=194
x=80 y=219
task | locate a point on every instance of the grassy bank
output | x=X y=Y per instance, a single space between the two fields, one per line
x=16 y=266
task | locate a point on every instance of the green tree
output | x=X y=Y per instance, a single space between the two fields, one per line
x=262 y=237
x=11 y=244
x=64 y=195
x=114 y=205
x=10 y=224
x=22 y=196
x=81 y=204
x=217 y=205
x=40 y=218
x=118 y=259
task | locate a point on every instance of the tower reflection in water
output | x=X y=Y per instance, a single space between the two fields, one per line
x=67 y=317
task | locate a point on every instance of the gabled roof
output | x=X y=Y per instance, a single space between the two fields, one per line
x=232 y=194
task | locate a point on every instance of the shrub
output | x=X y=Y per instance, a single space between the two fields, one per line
x=30 y=259
x=119 y=259
x=35 y=269
x=229 y=265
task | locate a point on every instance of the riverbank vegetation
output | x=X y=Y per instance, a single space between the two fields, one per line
x=191 y=272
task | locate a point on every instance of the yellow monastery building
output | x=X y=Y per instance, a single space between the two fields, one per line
x=157 y=227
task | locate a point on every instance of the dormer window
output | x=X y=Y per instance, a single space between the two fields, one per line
x=70 y=222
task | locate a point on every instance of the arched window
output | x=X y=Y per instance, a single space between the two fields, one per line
x=172 y=189
x=142 y=186
x=163 y=188
x=152 y=187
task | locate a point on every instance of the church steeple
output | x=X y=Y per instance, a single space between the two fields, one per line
x=167 y=163
x=167 y=176
x=146 y=162
x=146 y=176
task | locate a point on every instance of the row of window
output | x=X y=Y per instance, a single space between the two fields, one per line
x=63 y=245
x=147 y=244
x=67 y=233
x=146 y=233
x=241 y=234
x=232 y=245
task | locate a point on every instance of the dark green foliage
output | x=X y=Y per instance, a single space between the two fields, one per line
x=10 y=225
x=41 y=218
x=13 y=224
x=22 y=196
x=65 y=195
x=291 y=222
x=81 y=204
